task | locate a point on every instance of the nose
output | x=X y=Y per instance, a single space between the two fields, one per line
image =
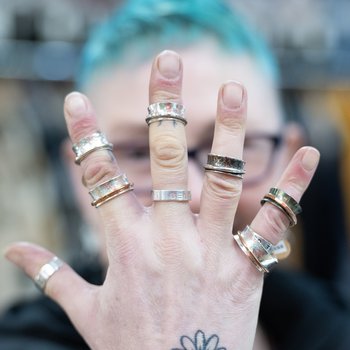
x=195 y=180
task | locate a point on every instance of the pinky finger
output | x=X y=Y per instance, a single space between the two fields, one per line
x=270 y=222
x=65 y=286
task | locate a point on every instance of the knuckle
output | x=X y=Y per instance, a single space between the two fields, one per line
x=276 y=221
x=234 y=123
x=82 y=127
x=161 y=95
x=168 y=151
x=223 y=186
x=98 y=168
x=296 y=185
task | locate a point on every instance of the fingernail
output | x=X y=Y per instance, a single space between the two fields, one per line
x=310 y=159
x=75 y=104
x=169 y=64
x=232 y=95
x=12 y=255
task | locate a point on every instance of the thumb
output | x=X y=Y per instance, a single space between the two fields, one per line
x=64 y=286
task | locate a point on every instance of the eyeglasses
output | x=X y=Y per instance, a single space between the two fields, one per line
x=259 y=153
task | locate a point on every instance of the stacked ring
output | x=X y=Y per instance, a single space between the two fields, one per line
x=225 y=165
x=283 y=201
x=86 y=145
x=256 y=248
x=160 y=111
x=110 y=189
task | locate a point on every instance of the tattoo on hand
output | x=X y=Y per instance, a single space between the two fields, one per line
x=200 y=342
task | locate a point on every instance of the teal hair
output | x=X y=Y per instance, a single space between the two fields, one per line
x=157 y=24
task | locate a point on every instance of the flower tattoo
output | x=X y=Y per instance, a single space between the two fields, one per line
x=200 y=342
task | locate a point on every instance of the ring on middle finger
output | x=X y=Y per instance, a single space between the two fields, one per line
x=225 y=165
x=171 y=195
x=160 y=111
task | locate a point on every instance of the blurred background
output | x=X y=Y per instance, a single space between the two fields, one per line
x=40 y=44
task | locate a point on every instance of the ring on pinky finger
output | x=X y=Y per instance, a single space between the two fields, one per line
x=256 y=248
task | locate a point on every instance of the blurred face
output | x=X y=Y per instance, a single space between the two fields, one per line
x=120 y=97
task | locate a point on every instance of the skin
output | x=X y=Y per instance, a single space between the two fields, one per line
x=170 y=272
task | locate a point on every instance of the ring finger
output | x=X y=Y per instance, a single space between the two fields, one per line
x=221 y=191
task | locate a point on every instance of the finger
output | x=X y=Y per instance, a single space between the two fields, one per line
x=65 y=286
x=100 y=165
x=270 y=222
x=168 y=149
x=221 y=192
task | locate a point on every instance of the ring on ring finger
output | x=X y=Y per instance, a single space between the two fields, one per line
x=225 y=165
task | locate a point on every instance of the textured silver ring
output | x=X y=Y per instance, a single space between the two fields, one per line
x=286 y=198
x=259 y=253
x=86 y=145
x=226 y=165
x=160 y=111
x=288 y=205
x=46 y=272
x=171 y=195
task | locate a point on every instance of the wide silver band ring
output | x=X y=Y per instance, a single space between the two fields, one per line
x=171 y=195
x=87 y=145
x=225 y=165
x=46 y=272
x=258 y=249
x=160 y=111
x=110 y=189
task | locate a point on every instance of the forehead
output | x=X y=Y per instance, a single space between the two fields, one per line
x=120 y=94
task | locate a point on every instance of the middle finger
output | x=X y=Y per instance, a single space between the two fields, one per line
x=168 y=148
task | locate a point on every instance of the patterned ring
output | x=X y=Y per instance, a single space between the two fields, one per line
x=286 y=198
x=225 y=165
x=288 y=205
x=86 y=145
x=46 y=271
x=160 y=111
x=110 y=189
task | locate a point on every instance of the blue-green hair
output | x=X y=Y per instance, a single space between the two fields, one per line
x=158 y=24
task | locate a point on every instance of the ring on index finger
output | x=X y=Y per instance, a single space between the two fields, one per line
x=91 y=143
x=110 y=189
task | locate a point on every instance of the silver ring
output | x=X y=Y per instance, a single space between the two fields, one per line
x=260 y=253
x=225 y=165
x=46 y=271
x=283 y=201
x=171 y=195
x=86 y=145
x=110 y=189
x=286 y=198
x=160 y=111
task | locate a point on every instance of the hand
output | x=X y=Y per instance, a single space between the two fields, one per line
x=170 y=273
